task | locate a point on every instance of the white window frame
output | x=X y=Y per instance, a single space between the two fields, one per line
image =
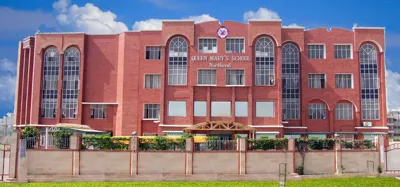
x=198 y=45
x=151 y=46
x=151 y=86
x=291 y=103
x=312 y=106
x=194 y=109
x=98 y=110
x=230 y=108
x=318 y=135
x=177 y=70
x=226 y=77
x=369 y=106
x=340 y=111
x=265 y=69
x=177 y=115
x=49 y=101
x=324 y=57
x=238 y=110
x=144 y=109
x=308 y=80
x=198 y=76
x=273 y=108
x=352 y=80
x=351 y=51
x=244 y=45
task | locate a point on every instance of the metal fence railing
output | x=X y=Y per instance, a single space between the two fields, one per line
x=358 y=144
x=39 y=142
x=211 y=145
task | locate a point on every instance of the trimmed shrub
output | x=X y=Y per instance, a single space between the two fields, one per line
x=105 y=142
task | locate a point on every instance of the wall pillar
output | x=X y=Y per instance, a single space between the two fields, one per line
x=337 y=158
x=22 y=163
x=291 y=149
x=381 y=149
x=14 y=154
x=242 y=148
x=189 y=156
x=75 y=147
x=134 y=147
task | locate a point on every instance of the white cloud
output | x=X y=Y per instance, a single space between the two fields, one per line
x=156 y=24
x=261 y=13
x=393 y=90
x=7 y=83
x=293 y=25
x=88 y=18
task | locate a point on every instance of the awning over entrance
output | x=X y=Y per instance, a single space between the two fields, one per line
x=219 y=126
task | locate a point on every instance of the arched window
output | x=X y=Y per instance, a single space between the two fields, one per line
x=265 y=71
x=369 y=82
x=290 y=82
x=177 y=61
x=51 y=67
x=70 y=89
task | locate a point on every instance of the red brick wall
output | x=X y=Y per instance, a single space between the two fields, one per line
x=113 y=69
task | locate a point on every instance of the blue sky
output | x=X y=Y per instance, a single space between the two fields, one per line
x=20 y=19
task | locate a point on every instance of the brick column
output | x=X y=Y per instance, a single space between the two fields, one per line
x=337 y=160
x=242 y=148
x=14 y=141
x=189 y=156
x=291 y=149
x=22 y=164
x=75 y=146
x=381 y=149
x=134 y=147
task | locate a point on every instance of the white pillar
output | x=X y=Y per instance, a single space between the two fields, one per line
x=46 y=138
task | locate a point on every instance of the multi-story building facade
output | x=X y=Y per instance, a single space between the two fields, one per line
x=259 y=79
x=393 y=119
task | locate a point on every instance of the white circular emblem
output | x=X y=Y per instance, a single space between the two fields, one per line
x=222 y=32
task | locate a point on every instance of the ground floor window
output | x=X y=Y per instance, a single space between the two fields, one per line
x=98 y=111
x=151 y=111
x=265 y=135
x=292 y=136
x=323 y=136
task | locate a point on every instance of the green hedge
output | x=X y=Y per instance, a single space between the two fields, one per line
x=316 y=143
x=357 y=144
x=164 y=143
x=265 y=143
x=105 y=142
x=62 y=138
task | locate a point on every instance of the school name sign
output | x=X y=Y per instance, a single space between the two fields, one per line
x=218 y=61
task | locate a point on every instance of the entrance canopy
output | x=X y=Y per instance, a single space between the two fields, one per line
x=219 y=126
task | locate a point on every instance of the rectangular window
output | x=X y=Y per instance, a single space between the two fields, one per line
x=200 y=108
x=266 y=135
x=207 y=77
x=177 y=108
x=207 y=45
x=241 y=108
x=151 y=111
x=316 y=81
x=344 y=111
x=152 y=81
x=98 y=111
x=342 y=51
x=316 y=111
x=221 y=109
x=344 y=81
x=316 y=51
x=234 y=77
x=234 y=45
x=265 y=109
x=153 y=52
x=323 y=136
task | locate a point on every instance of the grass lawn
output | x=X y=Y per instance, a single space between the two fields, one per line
x=350 y=182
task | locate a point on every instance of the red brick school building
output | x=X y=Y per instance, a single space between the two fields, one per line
x=256 y=79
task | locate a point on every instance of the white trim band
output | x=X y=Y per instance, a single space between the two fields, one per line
x=172 y=125
x=372 y=128
x=99 y=103
x=266 y=126
x=267 y=132
x=295 y=127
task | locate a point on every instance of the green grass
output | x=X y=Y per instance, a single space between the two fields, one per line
x=346 y=182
